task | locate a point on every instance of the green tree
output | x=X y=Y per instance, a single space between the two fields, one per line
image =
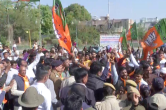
x=17 y=18
x=28 y=19
x=76 y=12
x=76 y=16
x=46 y=24
x=86 y=34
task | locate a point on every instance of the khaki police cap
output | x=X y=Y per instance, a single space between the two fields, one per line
x=110 y=85
x=131 y=83
x=133 y=90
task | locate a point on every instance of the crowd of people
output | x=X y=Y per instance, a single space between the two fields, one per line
x=108 y=79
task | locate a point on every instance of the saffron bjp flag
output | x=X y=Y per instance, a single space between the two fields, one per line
x=132 y=32
x=123 y=40
x=154 y=38
x=60 y=27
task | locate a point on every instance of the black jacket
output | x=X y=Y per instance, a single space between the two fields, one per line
x=95 y=83
x=84 y=92
x=145 y=103
x=118 y=85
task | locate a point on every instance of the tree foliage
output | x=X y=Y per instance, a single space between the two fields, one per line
x=86 y=34
x=46 y=22
x=17 y=18
x=76 y=13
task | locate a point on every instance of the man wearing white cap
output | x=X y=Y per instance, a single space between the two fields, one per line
x=162 y=59
x=15 y=53
x=163 y=74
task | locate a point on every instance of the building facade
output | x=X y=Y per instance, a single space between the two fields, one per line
x=147 y=23
x=106 y=25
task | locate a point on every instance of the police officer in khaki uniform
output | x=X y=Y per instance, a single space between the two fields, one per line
x=125 y=99
x=134 y=95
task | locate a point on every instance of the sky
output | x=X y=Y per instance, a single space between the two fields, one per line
x=120 y=9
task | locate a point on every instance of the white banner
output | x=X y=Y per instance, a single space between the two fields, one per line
x=111 y=40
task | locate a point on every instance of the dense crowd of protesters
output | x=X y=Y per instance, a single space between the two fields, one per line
x=107 y=79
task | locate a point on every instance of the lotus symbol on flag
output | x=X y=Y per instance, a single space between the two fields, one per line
x=65 y=40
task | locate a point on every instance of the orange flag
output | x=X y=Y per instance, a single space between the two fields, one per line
x=151 y=52
x=120 y=39
x=154 y=38
x=60 y=26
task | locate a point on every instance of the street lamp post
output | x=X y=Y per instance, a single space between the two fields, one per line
x=29 y=37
